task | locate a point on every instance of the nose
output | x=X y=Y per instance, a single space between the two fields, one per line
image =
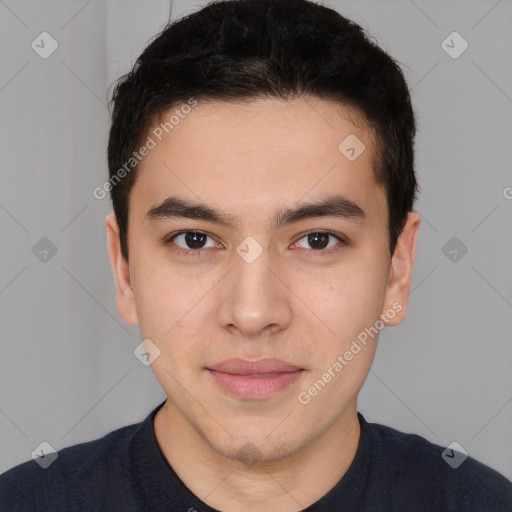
x=255 y=298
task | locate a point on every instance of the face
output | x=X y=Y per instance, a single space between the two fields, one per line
x=257 y=301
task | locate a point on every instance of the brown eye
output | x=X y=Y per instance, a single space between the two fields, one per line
x=192 y=240
x=320 y=241
x=195 y=240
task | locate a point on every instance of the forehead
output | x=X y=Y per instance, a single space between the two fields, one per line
x=259 y=154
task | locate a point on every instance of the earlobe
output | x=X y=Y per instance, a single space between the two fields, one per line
x=400 y=274
x=125 y=297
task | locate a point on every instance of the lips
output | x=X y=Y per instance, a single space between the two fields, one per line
x=261 y=367
x=254 y=379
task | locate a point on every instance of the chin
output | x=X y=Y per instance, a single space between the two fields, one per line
x=257 y=448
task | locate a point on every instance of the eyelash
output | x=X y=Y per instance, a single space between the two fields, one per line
x=197 y=252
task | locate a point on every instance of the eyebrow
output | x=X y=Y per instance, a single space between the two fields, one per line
x=334 y=206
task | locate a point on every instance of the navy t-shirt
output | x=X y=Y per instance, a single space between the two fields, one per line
x=125 y=471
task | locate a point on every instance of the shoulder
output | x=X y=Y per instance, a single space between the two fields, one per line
x=67 y=483
x=447 y=476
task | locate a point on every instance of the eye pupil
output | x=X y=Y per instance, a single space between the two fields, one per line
x=195 y=240
x=314 y=237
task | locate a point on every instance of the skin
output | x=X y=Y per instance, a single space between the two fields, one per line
x=293 y=302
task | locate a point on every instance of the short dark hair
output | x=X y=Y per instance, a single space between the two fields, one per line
x=237 y=50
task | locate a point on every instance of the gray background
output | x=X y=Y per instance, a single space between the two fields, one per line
x=67 y=370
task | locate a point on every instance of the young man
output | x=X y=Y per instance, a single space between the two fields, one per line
x=262 y=177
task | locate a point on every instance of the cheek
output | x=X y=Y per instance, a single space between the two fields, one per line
x=161 y=299
x=348 y=300
x=172 y=307
x=352 y=314
x=344 y=348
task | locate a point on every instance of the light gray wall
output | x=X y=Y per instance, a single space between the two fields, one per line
x=67 y=371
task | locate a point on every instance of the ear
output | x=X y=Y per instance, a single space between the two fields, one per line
x=125 y=297
x=400 y=273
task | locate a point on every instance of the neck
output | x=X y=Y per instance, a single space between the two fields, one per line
x=285 y=485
